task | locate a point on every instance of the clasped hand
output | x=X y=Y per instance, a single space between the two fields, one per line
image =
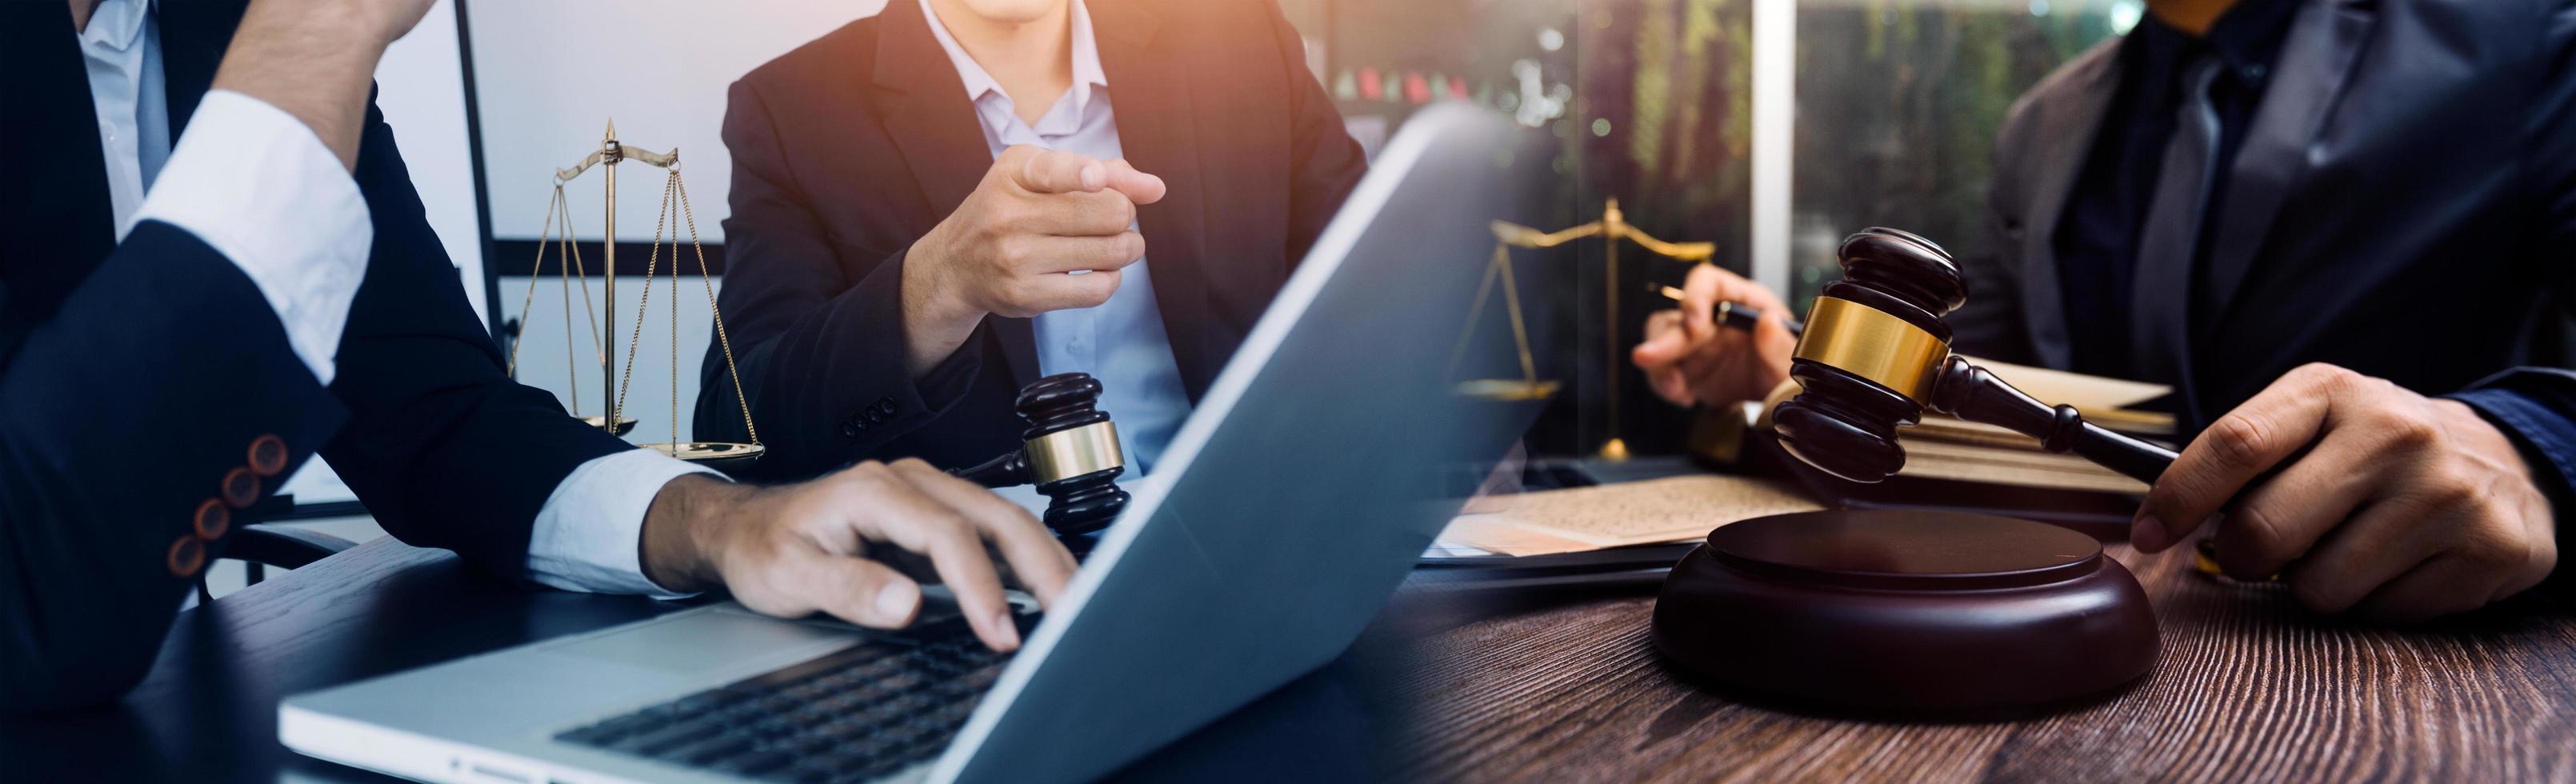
x=2364 y=496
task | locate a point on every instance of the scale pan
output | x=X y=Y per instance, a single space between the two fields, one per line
x=624 y=426
x=711 y=454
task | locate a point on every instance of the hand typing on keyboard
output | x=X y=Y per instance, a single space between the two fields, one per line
x=855 y=544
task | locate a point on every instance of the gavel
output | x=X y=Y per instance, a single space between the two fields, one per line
x=1070 y=451
x=1876 y=354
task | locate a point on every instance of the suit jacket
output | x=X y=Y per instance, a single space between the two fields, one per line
x=849 y=148
x=2404 y=200
x=136 y=375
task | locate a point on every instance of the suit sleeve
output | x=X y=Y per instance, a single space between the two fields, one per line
x=2536 y=407
x=443 y=448
x=815 y=348
x=125 y=411
x=1327 y=163
x=1990 y=324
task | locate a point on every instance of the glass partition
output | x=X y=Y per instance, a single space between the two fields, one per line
x=1896 y=103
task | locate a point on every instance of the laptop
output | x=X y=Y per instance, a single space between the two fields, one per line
x=1320 y=463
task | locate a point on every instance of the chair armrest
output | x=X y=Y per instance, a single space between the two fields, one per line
x=282 y=546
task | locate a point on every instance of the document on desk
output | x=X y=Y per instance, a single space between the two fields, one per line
x=1658 y=511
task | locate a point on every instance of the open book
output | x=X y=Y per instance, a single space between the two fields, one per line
x=1942 y=449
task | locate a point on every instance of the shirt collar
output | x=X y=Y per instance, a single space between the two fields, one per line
x=116 y=24
x=2247 y=37
x=1087 y=72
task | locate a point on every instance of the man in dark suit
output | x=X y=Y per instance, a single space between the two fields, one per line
x=937 y=205
x=2239 y=188
x=181 y=325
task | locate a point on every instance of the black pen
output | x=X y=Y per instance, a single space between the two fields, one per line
x=1739 y=315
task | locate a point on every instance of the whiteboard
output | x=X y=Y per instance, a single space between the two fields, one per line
x=550 y=75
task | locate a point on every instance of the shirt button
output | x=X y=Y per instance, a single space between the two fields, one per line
x=187 y=555
x=213 y=519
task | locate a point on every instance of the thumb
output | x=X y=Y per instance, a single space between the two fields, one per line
x=1140 y=188
x=1053 y=171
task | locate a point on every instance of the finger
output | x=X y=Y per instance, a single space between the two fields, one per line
x=1039 y=561
x=1105 y=253
x=1700 y=293
x=1710 y=383
x=2381 y=542
x=1055 y=171
x=860 y=591
x=1774 y=347
x=1057 y=291
x=1744 y=290
x=2441 y=586
x=1082 y=214
x=2248 y=441
x=1673 y=387
x=2283 y=517
x=921 y=524
x=1139 y=187
x=1663 y=343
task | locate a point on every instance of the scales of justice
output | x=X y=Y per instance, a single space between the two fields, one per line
x=617 y=378
x=1611 y=228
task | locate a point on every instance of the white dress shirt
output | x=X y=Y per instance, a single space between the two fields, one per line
x=259 y=187
x=1122 y=341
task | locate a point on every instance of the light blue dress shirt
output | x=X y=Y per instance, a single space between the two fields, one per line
x=1122 y=341
x=122 y=53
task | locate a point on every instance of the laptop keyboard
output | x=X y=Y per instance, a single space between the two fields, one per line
x=856 y=714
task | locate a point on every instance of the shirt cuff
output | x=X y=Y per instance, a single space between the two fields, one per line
x=589 y=532
x=256 y=185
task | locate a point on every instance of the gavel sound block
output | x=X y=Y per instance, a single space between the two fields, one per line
x=1908 y=611
x=1070 y=451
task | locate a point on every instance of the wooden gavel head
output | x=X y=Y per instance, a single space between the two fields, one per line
x=1876 y=355
x=1069 y=451
x=1871 y=355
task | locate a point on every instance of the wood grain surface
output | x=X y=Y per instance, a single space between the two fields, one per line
x=2247 y=687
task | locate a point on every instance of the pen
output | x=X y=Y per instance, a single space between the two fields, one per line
x=1738 y=315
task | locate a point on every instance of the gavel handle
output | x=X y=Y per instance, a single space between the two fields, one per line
x=1011 y=469
x=2138 y=459
x=1973 y=393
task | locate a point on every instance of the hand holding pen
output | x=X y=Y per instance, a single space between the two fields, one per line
x=1701 y=353
x=1736 y=314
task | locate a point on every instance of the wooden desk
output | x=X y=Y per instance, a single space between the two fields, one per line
x=1483 y=686
x=2248 y=687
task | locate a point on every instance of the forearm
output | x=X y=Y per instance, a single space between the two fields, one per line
x=313 y=60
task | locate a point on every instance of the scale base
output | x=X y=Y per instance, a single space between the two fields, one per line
x=710 y=453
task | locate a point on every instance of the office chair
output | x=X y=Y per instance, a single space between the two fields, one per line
x=259 y=545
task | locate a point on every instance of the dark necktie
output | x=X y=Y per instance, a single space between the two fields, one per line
x=2160 y=296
